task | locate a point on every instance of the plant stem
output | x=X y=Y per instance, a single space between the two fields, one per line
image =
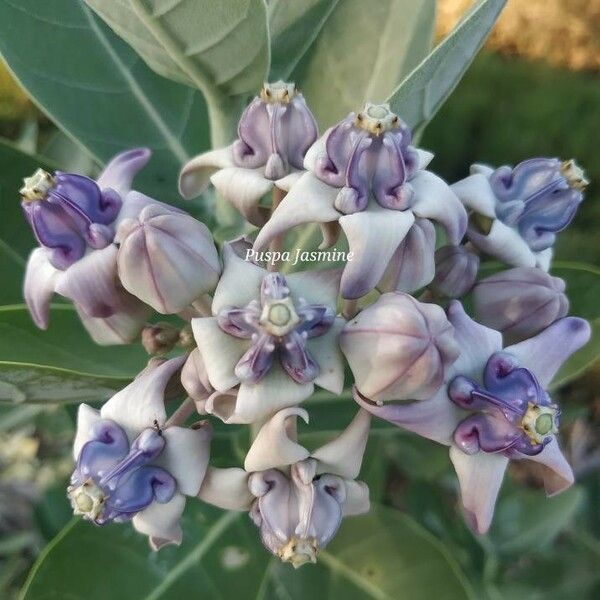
x=349 y=308
x=203 y=305
x=180 y=416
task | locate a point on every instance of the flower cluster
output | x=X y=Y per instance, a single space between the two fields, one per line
x=255 y=340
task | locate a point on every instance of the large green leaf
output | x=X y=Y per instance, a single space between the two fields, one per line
x=363 y=51
x=221 y=48
x=383 y=555
x=422 y=93
x=95 y=87
x=16 y=239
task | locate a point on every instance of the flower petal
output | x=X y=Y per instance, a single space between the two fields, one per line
x=373 y=237
x=244 y=188
x=273 y=446
x=476 y=193
x=226 y=488
x=319 y=286
x=357 y=498
x=434 y=199
x=137 y=406
x=547 y=351
x=92 y=283
x=186 y=455
x=477 y=343
x=194 y=377
x=220 y=352
x=326 y=351
x=86 y=418
x=480 y=477
x=160 y=522
x=38 y=287
x=504 y=243
x=286 y=183
x=343 y=455
x=195 y=175
x=556 y=471
x=308 y=201
x=120 y=171
x=435 y=419
x=241 y=280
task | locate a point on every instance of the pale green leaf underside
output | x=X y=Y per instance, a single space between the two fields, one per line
x=363 y=50
x=383 y=555
x=422 y=93
x=209 y=45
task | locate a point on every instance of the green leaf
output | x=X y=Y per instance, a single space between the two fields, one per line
x=383 y=555
x=294 y=26
x=423 y=92
x=361 y=53
x=95 y=87
x=16 y=239
x=221 y=48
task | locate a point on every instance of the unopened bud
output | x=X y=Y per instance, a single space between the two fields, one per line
x=455 y=271
x=160 y=338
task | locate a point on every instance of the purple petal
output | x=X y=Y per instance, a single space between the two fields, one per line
x=273 y=287
x=389 y=180
x=316 y=320
x=239 y=322
x=488 y=432
x=296 y=359
x=331 y=168
x=354 y=196
x=254 y=129
x=257 y=360
x=301 y=131
x=107 y=447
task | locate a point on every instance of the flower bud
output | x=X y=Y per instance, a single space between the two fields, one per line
x=455 y=271
x=159 y=338
x=166 y=258
x=399 y=348
x=520 y=302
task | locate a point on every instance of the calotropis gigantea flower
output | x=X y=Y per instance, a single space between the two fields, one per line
x=74 y=219
x=517 y=212
x=167 y=259
x=132 y=465
x=494 y=408
x=399 y=348
x=520 y=302
x=297 y=498
x=273 y=336
x=274 y=133
x=364 y=174
x=456 y=270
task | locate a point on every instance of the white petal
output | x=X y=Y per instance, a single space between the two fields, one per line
x=316 y=287
x=38 y=287
x=503 y=243
x=120 y=171
x=316 y=151
x=272 y=447
x=194 y=377
x=326 y=351
x=476 y=193
x=543 y=259
x=244 y=188
x=86 y=417
x=485 y=170
x=434 y=199
x=480 y=477
x=241 y=279
x=226 y=488
x=476 y=342
x=186 y=455
x=220 y=352
x=373 y=236
x=556 y=471
x=343 y=455
x=286 y=183
x=137 y=406
x=220 y=404
x=357 y=498
x=276 y=390
x=545 y=353
x=160 y=522
x=195 y=175
x=424 y=158
x=308 y=201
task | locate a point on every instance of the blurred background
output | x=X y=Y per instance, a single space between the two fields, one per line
x=534 y=90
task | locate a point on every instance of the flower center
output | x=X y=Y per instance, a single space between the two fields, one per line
x=574 y=175
x=37 y=186
x=299 y=551
x=377 y=119
x=280 y=91
x=539 y=422
x=87 y=499
x=279 y=317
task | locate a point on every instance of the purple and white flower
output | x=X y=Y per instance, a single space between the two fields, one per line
x=520 y=302
x=74 y=219
x=365 y=175
x=274 y=133
x=273 y=336
x=297 y=498
x=494 y=408
x=132 y=465
x=517 y=212
x=399 y=348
